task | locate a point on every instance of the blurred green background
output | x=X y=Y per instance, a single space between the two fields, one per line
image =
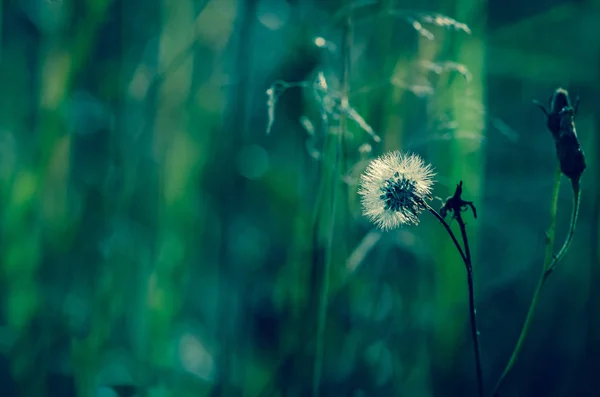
x=179 y=213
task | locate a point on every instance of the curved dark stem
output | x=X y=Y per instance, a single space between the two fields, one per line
x=450 y=232
x=472 y=309
x=466 y=256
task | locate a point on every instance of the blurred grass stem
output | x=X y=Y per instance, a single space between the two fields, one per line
x=338 y=170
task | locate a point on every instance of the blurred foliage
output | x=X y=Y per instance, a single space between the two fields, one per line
x=179 y=211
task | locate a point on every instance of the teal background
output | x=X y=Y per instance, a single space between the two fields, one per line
x=178 y=179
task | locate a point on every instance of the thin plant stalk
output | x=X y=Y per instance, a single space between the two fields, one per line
x=574 y=216
x=466 y=257
x=473 y=310
x=449 y=230
x=550 y=263
x=339 y=166
x=536 y=295
x=323 y=302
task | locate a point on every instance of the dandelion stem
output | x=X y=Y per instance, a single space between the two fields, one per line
x=466 y=257
x=472 y=309
x=450 y=232
x=550 y=263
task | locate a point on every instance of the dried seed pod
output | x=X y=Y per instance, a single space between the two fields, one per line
x=561 y=123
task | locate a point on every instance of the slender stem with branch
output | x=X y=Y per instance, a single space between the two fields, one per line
x=269 y=388
x=550 y=263
x=466 y=257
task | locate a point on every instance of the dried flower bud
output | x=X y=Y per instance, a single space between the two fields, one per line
x=561 y=123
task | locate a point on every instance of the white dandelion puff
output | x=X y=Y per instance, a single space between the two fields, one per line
x=394 y=188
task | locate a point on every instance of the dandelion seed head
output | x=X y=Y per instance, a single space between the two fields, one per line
x=394 y=188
